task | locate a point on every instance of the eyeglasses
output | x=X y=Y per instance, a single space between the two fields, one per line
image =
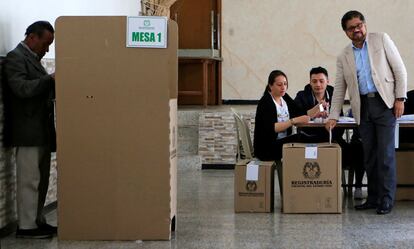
x=352 y=28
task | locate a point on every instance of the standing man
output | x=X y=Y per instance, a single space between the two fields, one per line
x=29 y=126
x=372 y=70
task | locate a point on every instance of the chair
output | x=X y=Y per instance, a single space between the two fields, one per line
x=244 y=141
x=409 y=104
x=348 y=166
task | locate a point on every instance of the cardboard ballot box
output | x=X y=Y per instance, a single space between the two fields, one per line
x=312 y=178
x=254 y=186
x=405 y=174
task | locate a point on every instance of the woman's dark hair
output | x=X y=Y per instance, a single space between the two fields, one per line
x=271 y=79
x=349 y=16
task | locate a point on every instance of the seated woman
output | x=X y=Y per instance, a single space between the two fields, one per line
x=275 y=115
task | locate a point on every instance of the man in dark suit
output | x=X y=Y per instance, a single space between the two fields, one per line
x=373 y=72
x=29 y=126
x=314 y=100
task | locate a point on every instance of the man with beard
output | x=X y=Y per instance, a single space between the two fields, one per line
x=372 y=71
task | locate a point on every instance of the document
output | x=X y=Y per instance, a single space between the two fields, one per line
x=330 y=135
x=346 y=120
x=252 y=171
x=406 y=118
x=397 y=136
x=311 y=151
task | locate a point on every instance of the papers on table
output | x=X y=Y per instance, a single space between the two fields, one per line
x=406 y=118
x=403 y=119
x=346 y=120
x=342 y=119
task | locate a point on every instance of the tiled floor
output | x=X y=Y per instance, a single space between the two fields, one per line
x=206 y=220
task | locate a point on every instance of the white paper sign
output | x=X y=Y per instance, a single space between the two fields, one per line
x=252 y=171
x=311 y=152
x=146 y=31
x=330 y=135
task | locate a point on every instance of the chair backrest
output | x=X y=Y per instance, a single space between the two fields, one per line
x=409 y=104
x=243 y=136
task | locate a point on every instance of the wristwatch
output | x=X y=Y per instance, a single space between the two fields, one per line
x=401 y=99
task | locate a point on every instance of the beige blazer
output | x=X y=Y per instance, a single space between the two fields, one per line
x=387 y=69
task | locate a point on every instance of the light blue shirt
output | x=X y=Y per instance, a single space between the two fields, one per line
x=363 y=68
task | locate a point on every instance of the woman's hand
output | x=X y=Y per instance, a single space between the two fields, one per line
x=282 y=126
x=301 y=120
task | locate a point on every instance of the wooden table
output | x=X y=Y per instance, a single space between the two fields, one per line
x=208 y=77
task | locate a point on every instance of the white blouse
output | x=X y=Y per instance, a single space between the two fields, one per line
x=282 y=115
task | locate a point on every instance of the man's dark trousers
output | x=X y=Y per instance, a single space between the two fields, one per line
x=377 y=129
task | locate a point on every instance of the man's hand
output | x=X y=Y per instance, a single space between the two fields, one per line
x=330 y=124
x=398 y=108
x=319 y=110
x=323 y=114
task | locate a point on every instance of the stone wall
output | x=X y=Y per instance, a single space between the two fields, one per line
x=296 y=35
x=7 y=173
x=217 y=143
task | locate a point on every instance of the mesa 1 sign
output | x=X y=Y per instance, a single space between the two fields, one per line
x=146 y=31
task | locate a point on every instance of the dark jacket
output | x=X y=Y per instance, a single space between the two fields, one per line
x=266 y=146
x=409 y=104
x=27 y=92
x=305 y=101
x=407 y=134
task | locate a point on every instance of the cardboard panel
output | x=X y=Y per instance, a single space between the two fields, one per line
x=113 y=132
x=312 y=185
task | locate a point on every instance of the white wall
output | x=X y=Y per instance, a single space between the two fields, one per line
x=296 y=35
x=16 y=15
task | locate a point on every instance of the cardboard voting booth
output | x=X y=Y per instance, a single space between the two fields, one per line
x=254 y=186
x=312 y=178
x=116 y=112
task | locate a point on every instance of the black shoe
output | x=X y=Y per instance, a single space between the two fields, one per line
x=48 y=227
x=366 y=205
x=384 y=208
x=36 y=233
